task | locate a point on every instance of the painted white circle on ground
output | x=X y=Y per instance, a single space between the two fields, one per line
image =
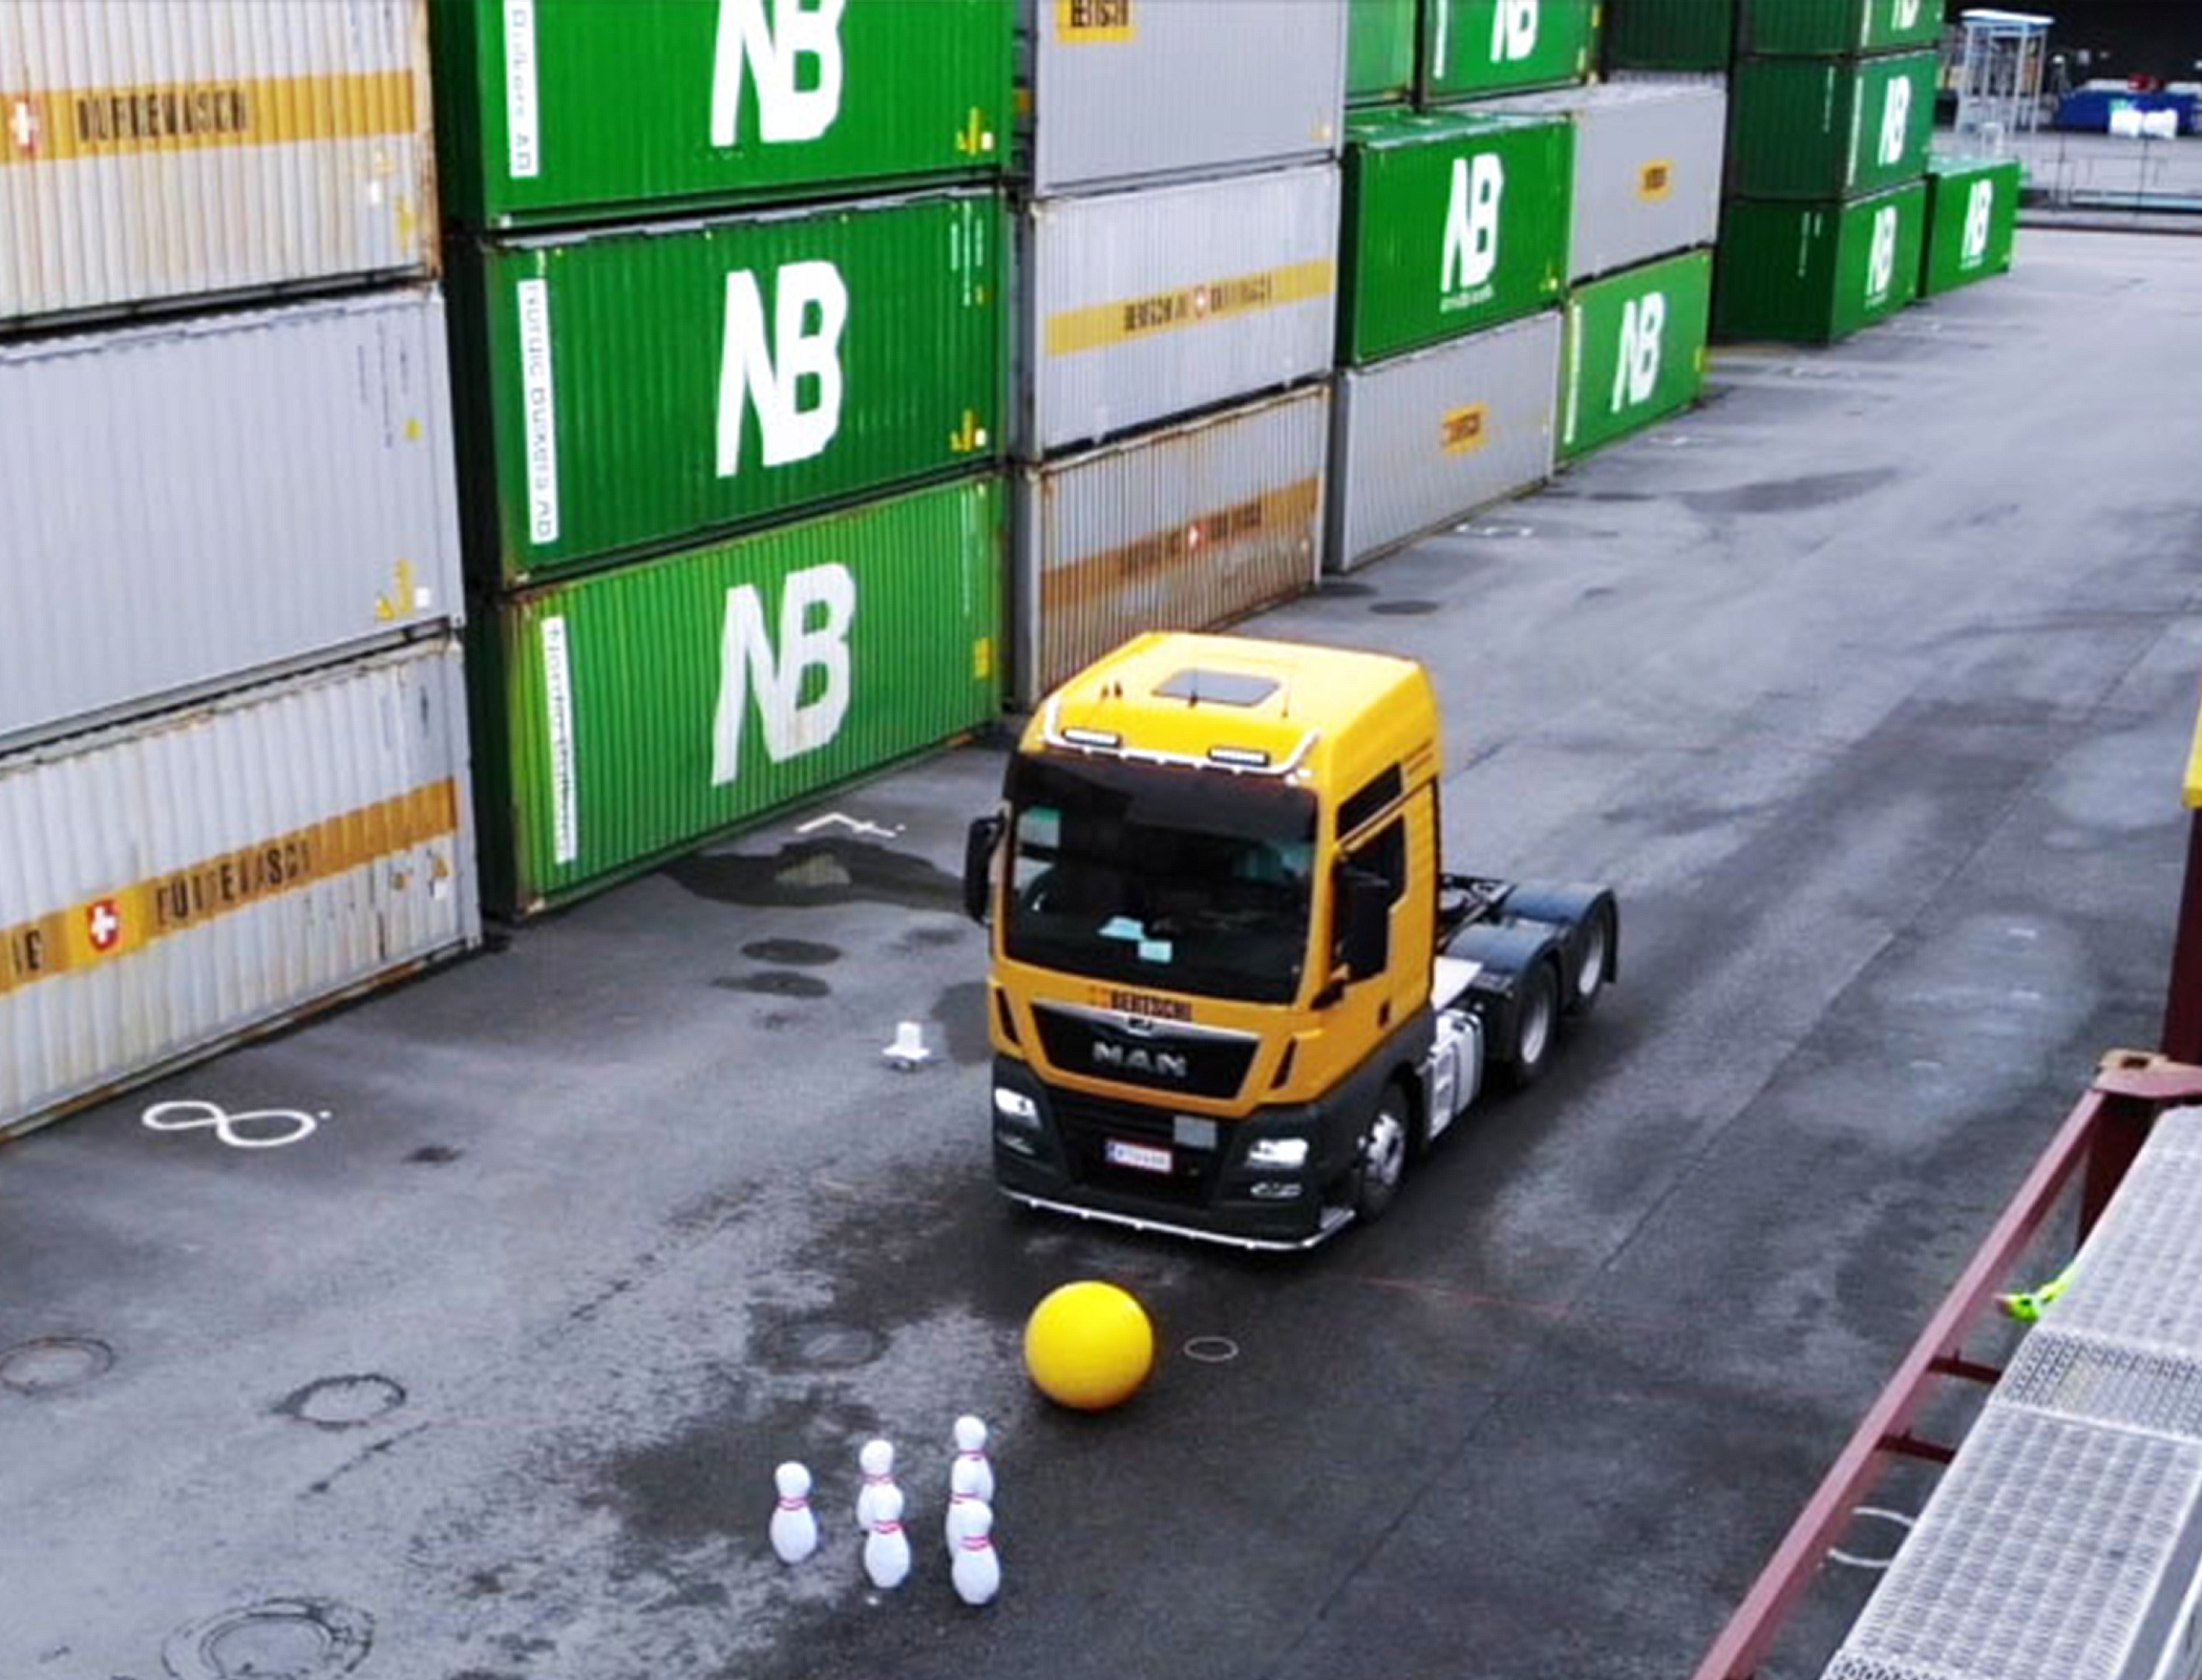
x=1212 y=1349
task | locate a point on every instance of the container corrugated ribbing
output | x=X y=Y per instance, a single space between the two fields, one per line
x=1819 y=128
x=1634 y=350
x=1122 y=90
x=1669 y=35
x=549 y=110
x=1972 y=220
x=168 y=887
x=630 y=714
x=1817 y=28
x=1380 y=50
x=1137 y=307
x=1814 y=273
x=155 y=151
x=1183 y=529
x=1454 y=221
x=1647 y=167
x=630 y=388
x=194 y=502
x=1475 y=48
x=1424 y=440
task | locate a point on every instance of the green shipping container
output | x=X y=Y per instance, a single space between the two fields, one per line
x=550 y=110
x=1812 y=273
x=627 y=716
x=1829 y=127
x=1453 y=222
x=1669 y=34
x=1471 y=48
x=1380 y=50
x=627 y=388
x=1972 y=220
x=1634 y=350
x=1817 y=27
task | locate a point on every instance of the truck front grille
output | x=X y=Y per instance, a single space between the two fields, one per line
x=1205 y=1062
x=1085 y=1127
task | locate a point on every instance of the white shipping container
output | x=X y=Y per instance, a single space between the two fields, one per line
x=1123 y=88
x=1649 y=152
x=208 y=873
x=1183 y=529
x=1137 y=307
x=1423 y=440
x=194 y=501
x=157 y=149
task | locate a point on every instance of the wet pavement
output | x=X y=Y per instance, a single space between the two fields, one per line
x=1870 y=685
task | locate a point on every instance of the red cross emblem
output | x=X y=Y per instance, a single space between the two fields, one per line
x=104 y=922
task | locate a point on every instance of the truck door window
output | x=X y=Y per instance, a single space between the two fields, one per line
x=1383 y=854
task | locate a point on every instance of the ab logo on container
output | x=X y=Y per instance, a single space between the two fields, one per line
x=817 y=605
x=1895 y=121
x=1471 y=235
x=811 y=307
x=776 y=51
x=1513 y=30
x=1636 y=373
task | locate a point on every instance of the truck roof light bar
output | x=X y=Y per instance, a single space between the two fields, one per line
x=1240 y=761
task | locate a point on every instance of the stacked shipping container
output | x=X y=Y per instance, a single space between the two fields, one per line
x=731 y=359
x=233 y=738
x=1825 y=225
x=1177 y=243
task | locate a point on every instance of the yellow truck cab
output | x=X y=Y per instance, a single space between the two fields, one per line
x=1233 y=993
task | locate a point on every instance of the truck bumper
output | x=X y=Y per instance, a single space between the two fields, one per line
x=1199 y=1179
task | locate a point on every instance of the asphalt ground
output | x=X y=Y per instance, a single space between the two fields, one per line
x=1869 y=684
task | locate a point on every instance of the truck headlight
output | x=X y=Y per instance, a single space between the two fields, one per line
x=1289 y=1153
x=1015 y=1106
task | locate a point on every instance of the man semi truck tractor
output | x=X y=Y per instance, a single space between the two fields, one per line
x=1233 y=993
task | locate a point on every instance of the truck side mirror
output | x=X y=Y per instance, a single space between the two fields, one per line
x=978 y=844
x=1365 y=904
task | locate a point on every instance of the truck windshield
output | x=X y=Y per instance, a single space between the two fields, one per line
x=1184 y=879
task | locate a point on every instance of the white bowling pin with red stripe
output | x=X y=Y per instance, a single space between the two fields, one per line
x=971 y=1446
x=876 y=1460
x=962 y=1495
x=794 y=1527
x=886 y=1548
x=978 y=1570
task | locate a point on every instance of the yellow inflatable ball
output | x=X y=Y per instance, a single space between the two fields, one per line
x=1089 y=1346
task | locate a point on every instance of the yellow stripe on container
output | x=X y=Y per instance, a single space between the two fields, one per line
x=116 y=924
x=59 y=124
x=1100 y=325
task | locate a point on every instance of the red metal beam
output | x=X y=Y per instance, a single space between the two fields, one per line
x=2102 y=1131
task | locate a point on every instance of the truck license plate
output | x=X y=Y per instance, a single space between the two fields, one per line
x=1142 y=1156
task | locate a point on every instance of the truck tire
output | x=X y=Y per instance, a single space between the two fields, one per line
x=1381 y=1162
x=1536 y=1024
x=1594 y=966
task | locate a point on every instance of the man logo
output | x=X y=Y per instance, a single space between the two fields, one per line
x=771 y=376
x=1155 y=1064
x=774 y=51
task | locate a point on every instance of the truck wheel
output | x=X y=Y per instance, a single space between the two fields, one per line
x=1595 y=965
x=1382 y=1160
x=1536 y=1023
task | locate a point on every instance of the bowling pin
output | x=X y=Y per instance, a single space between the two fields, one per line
x=971 y=1446
x=794 y=1529
x=978 y=1570
x=886 y=1548
x=962 y=1495
x=876 y=1460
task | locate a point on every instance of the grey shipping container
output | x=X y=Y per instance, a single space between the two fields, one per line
x=1183 y=529
x=170 y=886
x=190 y=503
x=1647 y=166
x=1421 y=440
x=1124 y=89
x=1135 y=306
x=152 y=150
